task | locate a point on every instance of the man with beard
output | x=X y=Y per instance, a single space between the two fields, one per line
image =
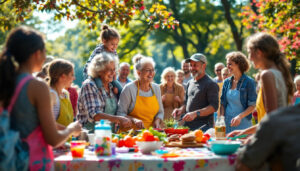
x=201 y=96
x=123 y=74
x=185 y=66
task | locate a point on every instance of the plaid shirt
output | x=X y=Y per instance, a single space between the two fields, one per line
x=99 y=49
x=91 y=100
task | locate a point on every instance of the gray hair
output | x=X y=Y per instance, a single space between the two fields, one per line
x=219 y=64
x=165 y=72
x=297 y=78
x=139 y=61
x=124 y=64
x=99 y=63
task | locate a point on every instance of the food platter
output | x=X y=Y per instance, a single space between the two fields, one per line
x=180 y=145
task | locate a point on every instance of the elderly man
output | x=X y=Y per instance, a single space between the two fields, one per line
x=201 y=96
x=218 y=71
x=123 y=74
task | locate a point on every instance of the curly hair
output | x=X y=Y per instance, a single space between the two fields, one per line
x=240 y=59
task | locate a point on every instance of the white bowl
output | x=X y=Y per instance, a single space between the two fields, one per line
x=146 y=147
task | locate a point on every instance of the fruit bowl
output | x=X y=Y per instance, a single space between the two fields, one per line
x=146 y=147
x=224 y=147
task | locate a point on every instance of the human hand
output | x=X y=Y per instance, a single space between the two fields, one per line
x=236 y=121
x=189 y=116
x=176 y=112
x=138 y=123
x=75 y=128
x=235 y=133
x=156 y=123
x=124 y=122
x=177 y=98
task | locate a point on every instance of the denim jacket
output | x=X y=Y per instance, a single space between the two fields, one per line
x=247 y=88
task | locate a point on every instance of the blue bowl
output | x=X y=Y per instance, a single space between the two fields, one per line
x=224 y=147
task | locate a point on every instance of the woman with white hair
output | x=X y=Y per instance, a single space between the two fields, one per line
x=96 y=103
x=296 y=97
x=172 y=93
x=140 y=100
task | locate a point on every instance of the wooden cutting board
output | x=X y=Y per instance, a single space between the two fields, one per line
x=178 y=144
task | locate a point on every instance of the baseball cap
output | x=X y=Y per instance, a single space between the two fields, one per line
x=197 y=57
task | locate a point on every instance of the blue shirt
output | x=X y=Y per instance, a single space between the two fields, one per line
x=247 y=88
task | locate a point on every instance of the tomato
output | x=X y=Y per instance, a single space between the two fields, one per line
x=204 y=139
x=121 y=143
x=129 y=142
x=207 y=135
x=156 y=138
x=150 y=138
x=146 y=133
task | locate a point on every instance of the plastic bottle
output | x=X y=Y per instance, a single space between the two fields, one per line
x=220 y=128
x=103 y=138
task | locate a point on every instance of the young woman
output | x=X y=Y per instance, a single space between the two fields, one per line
x=24 y=53
x=276 y=85
x=61 y=76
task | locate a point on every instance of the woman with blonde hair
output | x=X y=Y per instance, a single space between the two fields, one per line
x=172 y=93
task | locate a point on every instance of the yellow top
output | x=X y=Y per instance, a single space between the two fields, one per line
x=260 y=107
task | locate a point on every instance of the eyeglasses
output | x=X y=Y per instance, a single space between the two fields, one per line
x=149 y=70
x=218 y=70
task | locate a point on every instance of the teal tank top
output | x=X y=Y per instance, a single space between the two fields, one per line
x=24 y=116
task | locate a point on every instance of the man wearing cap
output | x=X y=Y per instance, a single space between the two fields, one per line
x=201 y=96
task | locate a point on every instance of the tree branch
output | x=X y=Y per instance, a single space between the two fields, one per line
x=2 y=2
x=137 y=41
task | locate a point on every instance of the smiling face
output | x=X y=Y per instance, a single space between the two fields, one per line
x=254 y=55
x=146 y=74
x=197 y=68
x=179 y=78
x=186 y=68
x=111 y=45
x=124 y=72
x=232 y=67
x=107 y=75
x=218 y=70
x=170 y=77
x=69 y=78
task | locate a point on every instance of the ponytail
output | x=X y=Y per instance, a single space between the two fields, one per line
x=20 y=44
x=8 y=73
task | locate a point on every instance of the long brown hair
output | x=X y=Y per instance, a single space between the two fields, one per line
x=57 y=68
x=269 y=46
x=20 y=44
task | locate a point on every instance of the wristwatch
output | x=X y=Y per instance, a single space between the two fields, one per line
x=198 y=113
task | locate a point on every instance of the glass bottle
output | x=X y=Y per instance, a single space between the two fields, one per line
x=220 y=128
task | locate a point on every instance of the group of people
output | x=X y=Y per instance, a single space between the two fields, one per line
x=190 y=95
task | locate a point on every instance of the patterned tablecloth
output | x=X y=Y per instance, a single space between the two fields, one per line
x=189 y=159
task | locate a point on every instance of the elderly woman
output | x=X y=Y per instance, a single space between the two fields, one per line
x=140 y=100
x=238 y=94
x=95 y=103
x=172 y=93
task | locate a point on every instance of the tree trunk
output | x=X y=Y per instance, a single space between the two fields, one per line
x=238 y=39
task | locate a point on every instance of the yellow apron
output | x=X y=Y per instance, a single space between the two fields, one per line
x=260 y=107
x=65 y=116
x=145 y=108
